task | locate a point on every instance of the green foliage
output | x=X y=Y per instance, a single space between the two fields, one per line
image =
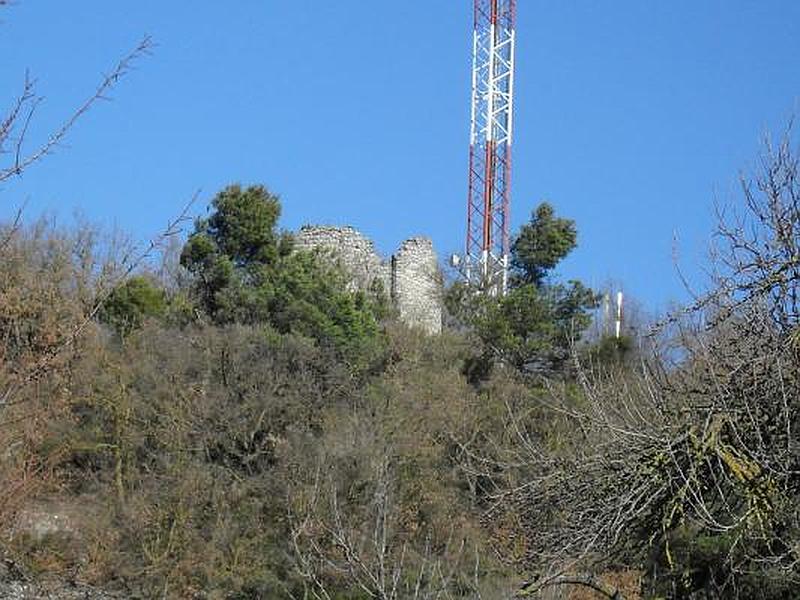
x=131 y=303
x=541 y=244
x=246 y=272
x=609 y=350
x=534 y=325
x=243 y=225
x=233 y=250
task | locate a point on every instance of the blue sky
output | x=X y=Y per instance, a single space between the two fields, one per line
x=631 y=116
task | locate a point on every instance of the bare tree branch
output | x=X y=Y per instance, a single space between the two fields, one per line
x=702 y=441
x=129 y=263
x=14 y=126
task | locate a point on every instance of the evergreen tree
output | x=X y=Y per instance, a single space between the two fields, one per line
x=127 y=307
x=540 y=245
x=533 y=326
x=247 y=272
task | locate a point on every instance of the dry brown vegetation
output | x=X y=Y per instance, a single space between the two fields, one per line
x=157 y=448
x=687 y=465
x=184 y=458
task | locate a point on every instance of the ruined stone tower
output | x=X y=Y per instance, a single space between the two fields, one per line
x=411 y=276
x=417 y=284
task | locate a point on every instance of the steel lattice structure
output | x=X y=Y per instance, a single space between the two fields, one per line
x=488 y=204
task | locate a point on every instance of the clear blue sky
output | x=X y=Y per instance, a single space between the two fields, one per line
x=630 y=115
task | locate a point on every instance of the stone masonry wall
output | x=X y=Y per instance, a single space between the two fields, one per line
x=355 y=251
x=411 y=276
x=417 y=285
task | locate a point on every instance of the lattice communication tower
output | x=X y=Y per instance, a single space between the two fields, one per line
x=489 y=201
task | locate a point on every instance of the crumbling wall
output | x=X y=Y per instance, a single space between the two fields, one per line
x=411 y=276
x=417 y=285
x=354 y=250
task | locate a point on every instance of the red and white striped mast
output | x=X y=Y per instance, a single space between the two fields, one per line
x=489 y=201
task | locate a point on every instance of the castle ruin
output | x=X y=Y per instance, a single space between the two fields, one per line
x=411 y=275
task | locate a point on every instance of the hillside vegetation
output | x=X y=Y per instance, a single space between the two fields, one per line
x=238 y=423
x=220 y=415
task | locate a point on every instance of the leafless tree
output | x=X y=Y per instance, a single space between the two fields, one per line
x=333 y=546
x=15 y=123
x=703 y=439
x=17 y=155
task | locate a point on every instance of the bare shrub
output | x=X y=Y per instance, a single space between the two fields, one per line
x=686 y=466
x=44 y=293
x=379 y=510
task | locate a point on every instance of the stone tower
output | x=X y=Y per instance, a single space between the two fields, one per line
x=417 y=284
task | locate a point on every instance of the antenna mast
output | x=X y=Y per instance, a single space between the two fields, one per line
x=488 y=204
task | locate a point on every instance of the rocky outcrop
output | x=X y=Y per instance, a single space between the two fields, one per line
x=16 y=584
x=411 y=276
x=51 y=590
x=56 y=528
